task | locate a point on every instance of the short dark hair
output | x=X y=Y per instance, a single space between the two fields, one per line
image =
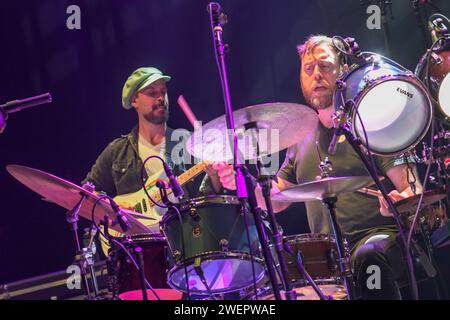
x=314 y=40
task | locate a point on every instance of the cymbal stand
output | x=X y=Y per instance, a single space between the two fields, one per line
x=344 y=259
x=72 y=217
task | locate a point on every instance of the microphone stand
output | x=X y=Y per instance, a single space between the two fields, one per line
x=72 y=218
x=244 y=184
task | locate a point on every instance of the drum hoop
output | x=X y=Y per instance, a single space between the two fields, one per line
x=309 y=237
x=211 y=257
x=217 y=199
x=267 y=290
x=373 y=83
x=143 y=237
x=215 y=255
x=198 y=203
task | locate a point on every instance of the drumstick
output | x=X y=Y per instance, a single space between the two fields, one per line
x=188 y=112
x=370 y=192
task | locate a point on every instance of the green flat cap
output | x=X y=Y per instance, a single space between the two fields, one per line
x=137 y=81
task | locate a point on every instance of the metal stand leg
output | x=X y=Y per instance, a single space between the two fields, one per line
x=344 y=263
x=303 y=271
x=72 y=219
x=140 y=261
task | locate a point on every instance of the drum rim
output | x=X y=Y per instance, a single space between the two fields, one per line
x=267 y=290
x=312 y=236
x=143 y=237
x=240 y=255
x=372 y=84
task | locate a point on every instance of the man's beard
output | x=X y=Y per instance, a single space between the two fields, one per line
x=154 y=118
x=321 y=102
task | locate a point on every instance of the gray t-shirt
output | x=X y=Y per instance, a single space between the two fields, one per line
x=357 y=213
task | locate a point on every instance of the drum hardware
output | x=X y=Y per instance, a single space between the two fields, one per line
x=140 y=260
x=83 y=257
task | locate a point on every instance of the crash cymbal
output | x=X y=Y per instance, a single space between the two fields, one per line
x=67 y=195
x=322 y=189
x=410 y=204
x=275 y=126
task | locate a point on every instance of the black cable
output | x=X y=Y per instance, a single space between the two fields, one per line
x=118 y=243
x=143 y=179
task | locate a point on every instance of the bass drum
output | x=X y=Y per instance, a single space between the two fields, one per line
x=394 y=107
x=318 y=253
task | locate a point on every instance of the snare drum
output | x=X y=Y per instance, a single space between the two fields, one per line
x=393 y=105
x=211 y=244
x=318 y=252
x=126 y=278
x=333 y=291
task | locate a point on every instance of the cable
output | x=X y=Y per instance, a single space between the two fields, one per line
x=119 y=244
x=143 y=180
x=440 y=16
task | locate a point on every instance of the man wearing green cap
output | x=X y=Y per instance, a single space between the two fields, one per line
x=117 y=170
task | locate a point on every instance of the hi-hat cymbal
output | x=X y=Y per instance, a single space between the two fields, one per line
x=322 y=189
x=278 y=126
x=67 y=195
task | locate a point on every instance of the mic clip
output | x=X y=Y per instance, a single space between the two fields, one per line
x=163 y=192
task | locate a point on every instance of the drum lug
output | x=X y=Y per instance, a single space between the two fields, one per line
x=193 y=211
x=340 y=84
x=223 y=243
x=177 y=256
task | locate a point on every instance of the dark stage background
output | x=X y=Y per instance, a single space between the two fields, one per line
x=85 y=70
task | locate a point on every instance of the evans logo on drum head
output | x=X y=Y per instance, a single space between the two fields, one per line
x=406 y=93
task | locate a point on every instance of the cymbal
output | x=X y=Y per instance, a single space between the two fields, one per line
x=67 y=195
x=410 y=204
x=275 y=125
x=322 y=189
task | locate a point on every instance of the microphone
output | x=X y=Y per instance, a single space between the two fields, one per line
x=17 y=105
x=339 y=120
x=173 y=182
x=334 y=142
x=163 y=192
x=125 y=225
x=213 y=7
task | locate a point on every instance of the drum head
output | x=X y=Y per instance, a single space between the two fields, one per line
x=444 y=96
x=224 y=273
x=396 y=114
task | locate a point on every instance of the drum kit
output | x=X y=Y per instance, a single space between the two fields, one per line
x=213 y=246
